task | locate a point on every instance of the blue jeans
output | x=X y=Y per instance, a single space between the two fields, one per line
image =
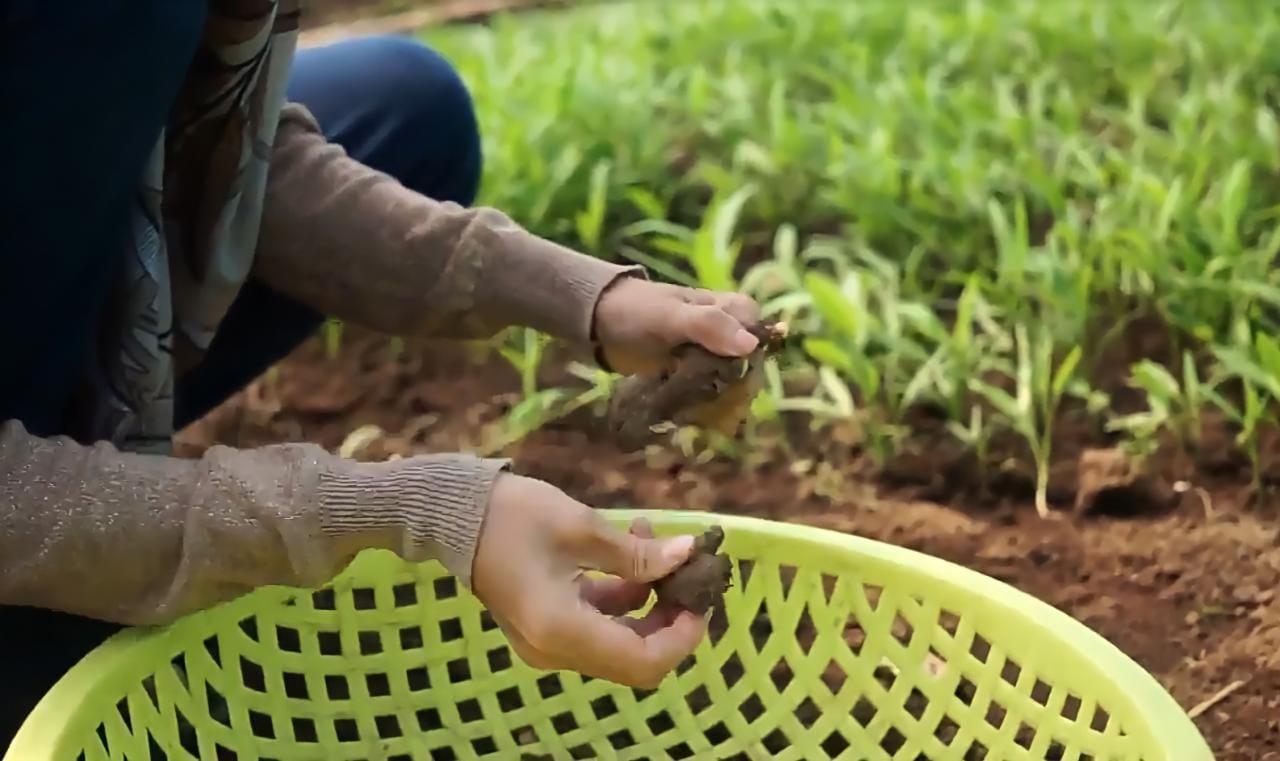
x=390 y=102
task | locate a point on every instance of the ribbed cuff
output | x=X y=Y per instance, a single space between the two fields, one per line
x=543 y=285
x=430 y=507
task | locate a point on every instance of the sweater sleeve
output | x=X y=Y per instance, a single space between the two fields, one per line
x=144 y=539
x=354 y=243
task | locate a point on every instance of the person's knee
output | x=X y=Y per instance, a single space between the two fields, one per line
x=435 y=113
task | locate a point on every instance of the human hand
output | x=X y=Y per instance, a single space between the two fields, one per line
x=528 y=571
x=638 y=322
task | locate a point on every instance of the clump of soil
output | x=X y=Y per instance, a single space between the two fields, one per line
x=700 y=583
x=696 y=388
x=1112 y=483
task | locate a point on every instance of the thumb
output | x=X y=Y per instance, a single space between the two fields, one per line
x=639 y=558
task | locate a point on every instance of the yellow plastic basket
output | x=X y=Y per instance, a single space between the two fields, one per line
x=831 y=647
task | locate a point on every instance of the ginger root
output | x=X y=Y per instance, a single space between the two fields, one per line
x=700 y=583
x=696 y=388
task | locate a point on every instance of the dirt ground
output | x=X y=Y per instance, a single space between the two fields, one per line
x=1191 y=590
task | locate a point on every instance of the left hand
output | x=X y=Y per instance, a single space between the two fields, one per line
x=639 y=322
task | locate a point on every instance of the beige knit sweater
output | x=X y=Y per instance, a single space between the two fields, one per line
x=140 y=539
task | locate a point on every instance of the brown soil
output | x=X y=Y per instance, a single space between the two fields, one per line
x=1189 y=585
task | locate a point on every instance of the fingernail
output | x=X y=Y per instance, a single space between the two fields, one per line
x=744 y=342
x=678 y=549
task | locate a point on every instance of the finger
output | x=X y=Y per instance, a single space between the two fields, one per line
x=742 y=307
x=628 y=556
x=531 y=656
x=607 y=649
x=714 y=329
x=659 y=617
x=642 y=528
x=614 y=597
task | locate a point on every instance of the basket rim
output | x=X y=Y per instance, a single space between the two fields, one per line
x=92 y=683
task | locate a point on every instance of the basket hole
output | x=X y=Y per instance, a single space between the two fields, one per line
x=717 y=733
x=604 y=707
x=499 y=659
x=680 y=751
x=806 y=633
x=687 y=665
x=101 y=731
x=370 y=643
x=621 y=740
x=980 y=649
x=835 y=744
x=330 y=643
x=864 y=711
x=776 y=741
x=510 y=699
x=217 y=705
x=443 y=754
x=549 y=686
x=660 y=723
x=829 y=582
x=1100 y=719
x=917 y=703
x=855 y=638
x=1071 y=708
x=225 y=754
x=564 y=723
x=1025 y=736
x=834 y=676
x=469 y=710
x=250 y=627
x=732 y=671
x=978 y=752
x=949 y=621
x=179 y=666
x=287 y=639
x=445 y=588
x=761 y=629
x=487 y=624
x=261 y=726
x=400 y=757
x=404 y=595
x=901 y=629
x=1040 y=692
x=995 y=715
x=336 y=687
x=347 y=730
x=582 y=752
x=388 y=727
x=411 y=638
x=459 y=670
x=149 y=687
x=966 y=690
x=252 y=676
x=363 y=598
x=429 y=720
x=451 y=630
x=808 y=713
x=1010 y=672
x=324 y=599
x=214 y=650
x=873 y=594
x=752 y=708
x=698 y=699
x=157 y=753
x=483 y=746
x=781 y=676
x=122 y=708
x=892 y=741
x=745 y=569
x=304 y=730
x=379 y=685
x=418 y=678
x=295 y=686
x=946 y=730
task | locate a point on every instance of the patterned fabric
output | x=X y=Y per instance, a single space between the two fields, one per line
x=195 y=223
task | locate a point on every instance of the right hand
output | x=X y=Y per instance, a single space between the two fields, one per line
x=528 y=571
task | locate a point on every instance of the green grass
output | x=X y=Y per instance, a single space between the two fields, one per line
x=957 y=203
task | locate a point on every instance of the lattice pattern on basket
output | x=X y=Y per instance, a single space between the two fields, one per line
x=806 y=665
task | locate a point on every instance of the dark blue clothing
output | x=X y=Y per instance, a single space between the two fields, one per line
x=81 y=112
